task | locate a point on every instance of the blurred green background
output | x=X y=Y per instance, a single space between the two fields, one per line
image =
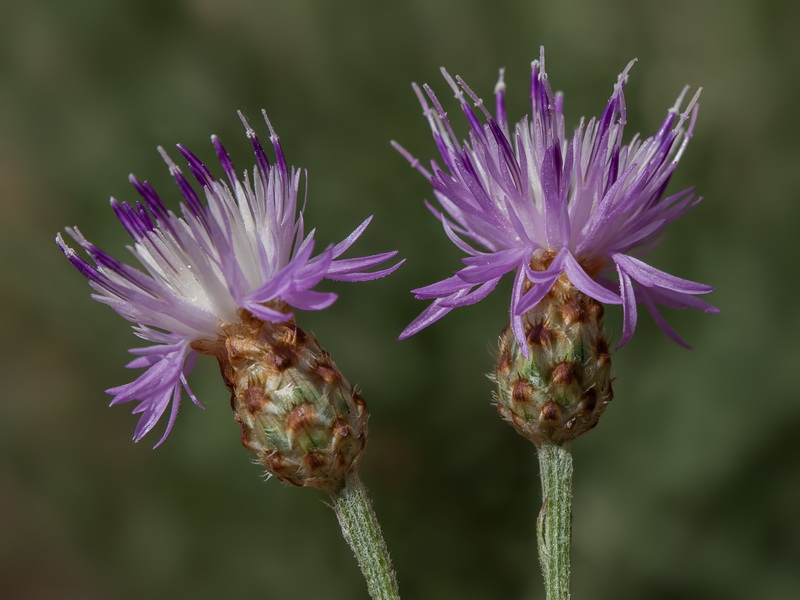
x=688 y=489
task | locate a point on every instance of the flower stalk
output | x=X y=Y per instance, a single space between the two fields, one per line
x=554 y=525
x=361 y=530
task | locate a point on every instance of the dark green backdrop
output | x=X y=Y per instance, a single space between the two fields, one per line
x=688 y=489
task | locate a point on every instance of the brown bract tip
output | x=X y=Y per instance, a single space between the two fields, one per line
x=572 y=312
x=294 y=335
x=540 y=334
x=360 y=403
x=601 y=345
x=207 y=347
x=522 y=391
x=275 y=461
x=283 y=356
x=504 y=361
x=341 y=428
x=254 y=399
x=563 y=373
x=550 y=415
x=589 y=400
x=328 y=374
x=301 y=417
x=314 y=461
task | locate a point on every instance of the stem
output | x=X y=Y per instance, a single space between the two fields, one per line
x=553 y=527
x=361 y=530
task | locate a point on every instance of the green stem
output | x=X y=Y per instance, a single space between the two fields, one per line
x=554 y=525
x=361 y=530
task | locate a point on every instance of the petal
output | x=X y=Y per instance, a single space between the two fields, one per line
x=441 y=289
x=555 y=268
x=430 y=315
x=266 y=313
x=586 y=284
x=645 y=298
x=343 y=246
x=472 y=297
x=366 y=276
x=282 y=280
x=535 y=295
x=678 y=301
x=629 y=314
x=516 y=319
x=310 y=300
x=345 y=269
x=484 y=267
x=651 y=277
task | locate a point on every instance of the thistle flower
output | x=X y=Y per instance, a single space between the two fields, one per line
x=563 y=213
x=222 y=278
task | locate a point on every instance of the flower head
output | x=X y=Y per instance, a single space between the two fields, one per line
x=534 y=201
x=244 y=248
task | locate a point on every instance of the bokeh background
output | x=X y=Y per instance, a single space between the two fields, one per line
x=688 y=489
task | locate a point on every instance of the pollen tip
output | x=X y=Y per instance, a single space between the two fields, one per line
x=272 y=135
x=500 y=86
x=250 y=132
x=173 y=168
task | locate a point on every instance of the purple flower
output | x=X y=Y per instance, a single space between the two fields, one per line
x=244 y=249
x=533 y=201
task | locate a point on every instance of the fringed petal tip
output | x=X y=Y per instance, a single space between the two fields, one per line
x=430 y=315
x=353 y=269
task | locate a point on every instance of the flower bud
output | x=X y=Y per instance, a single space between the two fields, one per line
x=559 y=392
x=300 y=417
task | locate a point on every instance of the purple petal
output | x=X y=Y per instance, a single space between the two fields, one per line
x=225 y=161
x=586 y=284
x=472 y=297
x=516 y=319
x=554 y=270
x=679 y=301
x=85 y=268
x=266 y=313
x=535 y=295
x=629 y=314
x=196 y=166
x=450 y=233
x=366 y=276
x=353 y=265
x=651 y=277
x=556 y=219
x=192 y=199
x=442 y=288
x=176 y=401
x=282 y=280
x=644 y=297
x=261 y=157
x=342 y=246
x=430 y=315
x=484 y=267
x=310 y=300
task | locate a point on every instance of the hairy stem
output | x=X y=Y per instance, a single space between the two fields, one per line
x=361 y=530
x=554 y=525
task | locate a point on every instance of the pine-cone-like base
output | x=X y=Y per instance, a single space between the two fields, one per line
x=302 y=419
x=560 y=392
